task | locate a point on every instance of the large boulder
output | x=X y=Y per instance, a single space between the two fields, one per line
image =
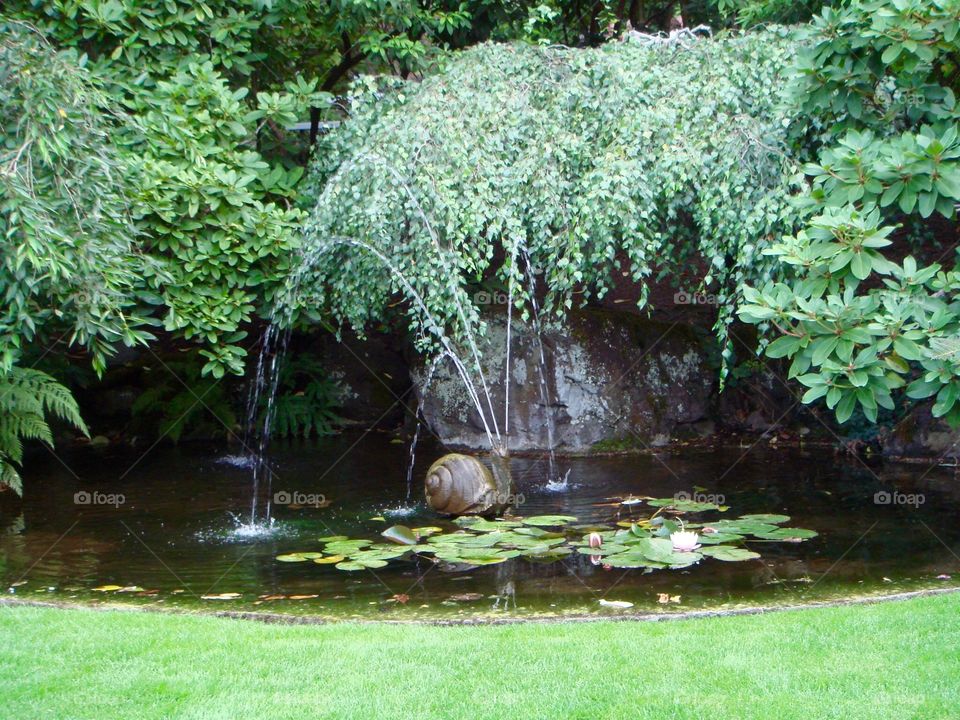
x=610 y=378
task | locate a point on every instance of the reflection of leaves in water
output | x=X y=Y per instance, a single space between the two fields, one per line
x=643 y=543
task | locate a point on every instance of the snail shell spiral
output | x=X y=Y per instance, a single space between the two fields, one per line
x=460 y=485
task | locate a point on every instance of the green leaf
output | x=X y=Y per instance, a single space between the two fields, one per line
x=549 y=520
x=728 y=553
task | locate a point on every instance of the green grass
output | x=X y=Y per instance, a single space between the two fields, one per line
x=894 y=660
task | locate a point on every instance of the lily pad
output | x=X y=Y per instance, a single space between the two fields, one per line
x=729 y=553
x=350 y=566
x=346 y=547
x=605 y=550
x=593 y=528
x=333 y=538
x=427 y=530
x=329 y=560
x=743 y=527
x=480 y=524
x=354 y=564
x=683 y=505
x=631 y=560
x=476 y=556
x=537 y=532
x=787 y=534
x=482 y=541
x=383 y=553
x=718 y=538
x=522 y=541
x=549 y=520
x=684 y=560
x=545 y=553
x=766 y=518
x=451 y=538
x=291 y=557
x=666 y=527
x=660 y=550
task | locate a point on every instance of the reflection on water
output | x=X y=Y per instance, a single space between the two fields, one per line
x=169 y=529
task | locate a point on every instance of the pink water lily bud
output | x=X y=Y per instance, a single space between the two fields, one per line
x=684 y=541
x=595 y=540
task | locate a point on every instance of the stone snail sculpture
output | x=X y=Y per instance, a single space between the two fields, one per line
x=463 y=485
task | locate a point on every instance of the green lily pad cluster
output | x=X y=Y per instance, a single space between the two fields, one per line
x=642 y=543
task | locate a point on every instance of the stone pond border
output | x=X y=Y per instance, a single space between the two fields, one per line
x=285 y=619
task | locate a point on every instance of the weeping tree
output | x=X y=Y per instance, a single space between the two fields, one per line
x=639 y=157
x=68 y=266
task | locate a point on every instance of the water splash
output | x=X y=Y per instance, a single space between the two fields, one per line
x=244 y=462
x=558 y=484
x=241 y=530
x=402 y=511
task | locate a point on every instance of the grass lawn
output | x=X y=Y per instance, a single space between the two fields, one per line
x=894 y=660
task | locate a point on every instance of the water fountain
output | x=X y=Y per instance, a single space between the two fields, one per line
x=455 y=484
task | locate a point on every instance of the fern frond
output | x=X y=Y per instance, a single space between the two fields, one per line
x=19 y=398
x=26 y=425
x=11 y=446
x=9 y=476
x=25 y=390
x=59 y=400
x=25 y=396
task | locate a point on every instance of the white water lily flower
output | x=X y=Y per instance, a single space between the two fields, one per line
x=684 y=541
x=595 y=540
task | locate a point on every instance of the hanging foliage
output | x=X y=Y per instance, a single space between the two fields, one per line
x=637 y=157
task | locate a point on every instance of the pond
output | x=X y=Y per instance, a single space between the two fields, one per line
x=166 y=528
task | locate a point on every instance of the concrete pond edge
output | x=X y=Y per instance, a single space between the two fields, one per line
x=288 y=619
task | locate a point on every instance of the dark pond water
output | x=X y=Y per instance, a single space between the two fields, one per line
x=175 y=534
